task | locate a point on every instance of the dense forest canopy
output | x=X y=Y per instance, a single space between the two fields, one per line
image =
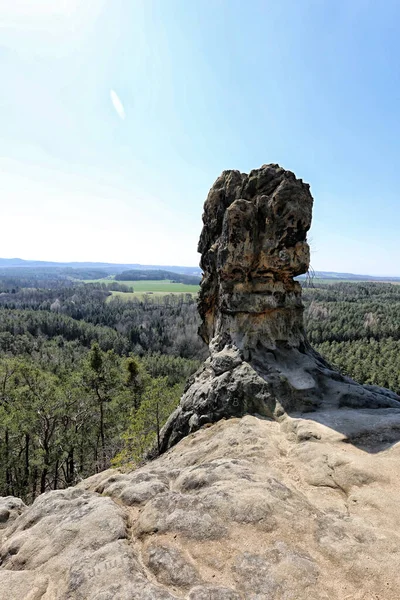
x=87 y=379
x=356 y=327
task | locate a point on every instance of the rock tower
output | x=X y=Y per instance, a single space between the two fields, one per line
x=253 y=244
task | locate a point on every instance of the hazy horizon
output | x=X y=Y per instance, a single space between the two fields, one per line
x=165 y=265
x=117 y=118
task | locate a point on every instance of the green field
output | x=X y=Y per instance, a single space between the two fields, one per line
x=152 y=288
x=152 y=285
x=163 y=285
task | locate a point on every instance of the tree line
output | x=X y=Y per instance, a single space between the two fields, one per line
x=157 y=275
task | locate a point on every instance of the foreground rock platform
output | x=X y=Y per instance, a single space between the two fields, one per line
x=253 y=244
x=247 y=509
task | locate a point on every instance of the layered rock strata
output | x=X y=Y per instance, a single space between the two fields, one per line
x=253 y=244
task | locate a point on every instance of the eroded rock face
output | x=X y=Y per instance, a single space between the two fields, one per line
x=248 y=509
x=252 y=246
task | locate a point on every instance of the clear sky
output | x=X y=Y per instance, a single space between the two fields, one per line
x=116 y=117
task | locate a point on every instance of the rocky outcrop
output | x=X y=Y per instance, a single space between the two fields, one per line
x=298 y=503
x=252 y=246
x=247 y=509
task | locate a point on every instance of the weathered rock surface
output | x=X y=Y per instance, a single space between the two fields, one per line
x=247 y=509
x=10 y=509
x=252 y=246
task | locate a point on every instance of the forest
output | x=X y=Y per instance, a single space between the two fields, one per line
x=356 y=327
x=87 y=380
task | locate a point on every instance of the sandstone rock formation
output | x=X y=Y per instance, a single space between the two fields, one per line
x=252 y=245
x=247 y=509
x=298 y=503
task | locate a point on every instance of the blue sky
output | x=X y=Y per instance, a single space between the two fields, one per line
x=204 y=85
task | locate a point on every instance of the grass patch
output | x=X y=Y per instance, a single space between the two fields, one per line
x=152 y=288
x=161 y=286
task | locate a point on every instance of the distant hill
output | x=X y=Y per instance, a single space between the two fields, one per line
x=14 y=266
x=332 y=275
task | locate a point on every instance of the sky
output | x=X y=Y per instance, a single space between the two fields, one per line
x=116 y=117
